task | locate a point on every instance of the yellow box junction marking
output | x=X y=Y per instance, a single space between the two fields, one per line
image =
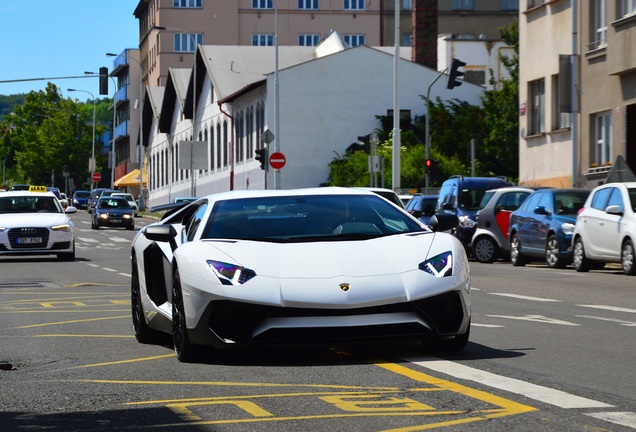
x=346 y=402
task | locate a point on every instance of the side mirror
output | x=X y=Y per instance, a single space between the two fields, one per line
x=443 y=222
x=614 y=210
x=540 y=210
x=417 y=213
x=448 y=206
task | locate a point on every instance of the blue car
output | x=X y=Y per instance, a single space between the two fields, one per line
x=541 y=229
x=80 y=199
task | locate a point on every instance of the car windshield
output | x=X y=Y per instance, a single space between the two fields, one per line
x=82 y=194
x=470 y=199
x=30 y=204
x=307 y=218
x=485 y=199
x=113 y=203
x=569 y=203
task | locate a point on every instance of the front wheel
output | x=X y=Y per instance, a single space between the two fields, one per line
x=553 y=256
x=580 y=261
x=183 y=348
x=455 y=344
x=142 y=332
x=516 y=258
x=485 y=250
x=627 y=258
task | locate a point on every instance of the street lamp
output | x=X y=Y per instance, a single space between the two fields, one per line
x=92 y=164
x=194 y=98
x=141 y=128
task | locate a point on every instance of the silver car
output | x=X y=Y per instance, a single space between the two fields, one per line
x=490 y=241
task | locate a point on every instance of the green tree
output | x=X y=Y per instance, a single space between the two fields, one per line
x=50 y=135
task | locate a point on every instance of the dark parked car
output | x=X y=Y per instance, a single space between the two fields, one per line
x=490 y=241
x=113 y=211
x=80 y=199
x=541 y=229
x=461 y=196
x=422 y=206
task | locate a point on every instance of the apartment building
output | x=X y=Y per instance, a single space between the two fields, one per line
x=577 y=90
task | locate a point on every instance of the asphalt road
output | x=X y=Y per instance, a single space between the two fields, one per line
x=550 y=350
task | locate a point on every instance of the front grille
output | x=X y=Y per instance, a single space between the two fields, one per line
x=236 y=321
x=17 y=234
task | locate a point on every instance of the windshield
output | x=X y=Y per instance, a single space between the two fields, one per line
x=30 y=204
x=308 y=218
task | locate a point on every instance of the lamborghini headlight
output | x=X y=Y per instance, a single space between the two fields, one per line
x=439 y=266
x=230 y=274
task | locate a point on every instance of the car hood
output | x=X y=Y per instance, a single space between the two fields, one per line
x=361 y=258
x=32 y=220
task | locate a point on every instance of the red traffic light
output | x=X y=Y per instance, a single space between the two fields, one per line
x=428 y=163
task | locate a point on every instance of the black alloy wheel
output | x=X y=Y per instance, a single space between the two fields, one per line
x=183 y=348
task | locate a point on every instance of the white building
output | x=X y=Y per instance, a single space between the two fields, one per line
x=327 y=96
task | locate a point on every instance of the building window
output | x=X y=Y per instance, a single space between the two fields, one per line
x=561 y=119
x=477 y=77
x=354 y=39
x=187 y=3
x=262 y=40
x=463 y=5
x=509 y=5
x=353 y=4
x=537 y=109
x=184 y=42
x=308 y=39
x=308 y=4
x=406 y=39
x=599 y=24
x=628 y=7
x=535 y=3
x=602 y=138
x=262 y=4
x=407 y=5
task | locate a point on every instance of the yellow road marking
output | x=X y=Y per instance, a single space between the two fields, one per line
x=125 y=361
x=86 y=336
x=73 y=321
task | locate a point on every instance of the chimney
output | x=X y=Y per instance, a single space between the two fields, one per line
x=424 y=25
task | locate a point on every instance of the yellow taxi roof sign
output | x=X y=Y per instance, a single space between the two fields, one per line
x=37 y=188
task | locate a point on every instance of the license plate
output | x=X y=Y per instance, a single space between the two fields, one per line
x=115 y=220
x=29 y=240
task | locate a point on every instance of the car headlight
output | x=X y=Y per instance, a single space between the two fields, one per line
x=103 y=216
x=568 y=228
x=127 y=216
x=466 y=222
x=230 y=274
x=65 y=228
x=2 y=229
x=439 y=266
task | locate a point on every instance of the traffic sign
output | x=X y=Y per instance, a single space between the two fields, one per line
x=277 y=160
x=96 y=177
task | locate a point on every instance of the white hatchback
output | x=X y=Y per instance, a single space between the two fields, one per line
x=130 y=199
x=606 y=228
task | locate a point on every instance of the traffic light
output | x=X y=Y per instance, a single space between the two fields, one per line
x=428 y=164
x=103 y=80
x=430 y=168
x=454 y=74
x=261 y=156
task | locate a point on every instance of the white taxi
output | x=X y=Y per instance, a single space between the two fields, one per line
x=34 y=223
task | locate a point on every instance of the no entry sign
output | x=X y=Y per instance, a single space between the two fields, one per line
x=277 y=160
x=96 y=177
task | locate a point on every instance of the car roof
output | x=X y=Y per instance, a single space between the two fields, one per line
x=27 y=193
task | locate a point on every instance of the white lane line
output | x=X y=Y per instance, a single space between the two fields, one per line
x=542 y=394
x=109 y=269
x=523 y=297
x=119 y=239
x=621 y=418
x=87 y=240
x=486 y=325
x=609 y=308
x=535 y=318
x=621 y=322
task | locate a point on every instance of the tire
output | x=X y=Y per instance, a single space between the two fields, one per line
x=142 y=332
x=130 y=227
x=183 y=348
x=553 y=256
x=516 y=258
x=485 y=250
x=455 y=344
x=580 y=261
x=67 y=256
x=627 y=258
x=93 y=224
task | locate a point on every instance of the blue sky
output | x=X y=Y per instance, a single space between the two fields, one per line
x=62 y=38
